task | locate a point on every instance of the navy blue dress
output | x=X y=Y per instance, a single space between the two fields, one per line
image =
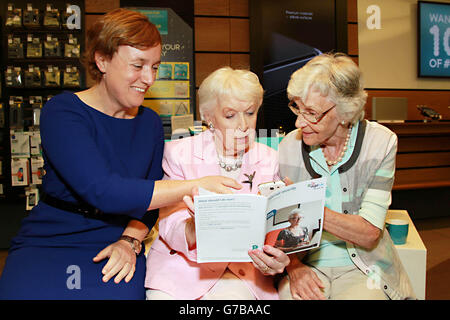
x=109 y=163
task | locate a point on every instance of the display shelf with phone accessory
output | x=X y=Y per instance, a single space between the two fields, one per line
x=43 y=43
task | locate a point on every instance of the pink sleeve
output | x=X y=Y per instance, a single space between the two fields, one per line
x=276 y=173
x=173 y=219
x=171 y=167
x=172 y=231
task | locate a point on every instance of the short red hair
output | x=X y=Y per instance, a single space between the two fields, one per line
x=116 y=28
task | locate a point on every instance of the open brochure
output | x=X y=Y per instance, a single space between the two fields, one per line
x=228 y=225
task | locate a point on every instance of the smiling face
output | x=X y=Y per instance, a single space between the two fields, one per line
x=234 y=122
x=128 y=75
x=322 y=132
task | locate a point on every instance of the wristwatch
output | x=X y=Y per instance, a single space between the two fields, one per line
x=136 y=245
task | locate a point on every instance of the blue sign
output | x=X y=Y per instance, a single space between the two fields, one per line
x=158 y=18
x=434 y=39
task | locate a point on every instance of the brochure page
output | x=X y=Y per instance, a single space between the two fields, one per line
x=294 y=220
x=227 y=226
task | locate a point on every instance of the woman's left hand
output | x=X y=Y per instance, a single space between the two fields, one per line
x=270 y=261
x=190 y=223
x=121 y=263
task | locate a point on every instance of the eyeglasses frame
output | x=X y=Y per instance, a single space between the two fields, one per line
x=297 y=112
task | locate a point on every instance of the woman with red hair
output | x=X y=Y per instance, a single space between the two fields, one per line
x=103 y=154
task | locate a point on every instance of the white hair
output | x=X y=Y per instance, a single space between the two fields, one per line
x=336 y=76
x=225 y=84
x=296 y=212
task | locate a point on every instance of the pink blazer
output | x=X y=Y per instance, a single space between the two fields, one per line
x=171 y=266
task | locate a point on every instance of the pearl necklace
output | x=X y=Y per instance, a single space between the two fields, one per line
x=230 y=166
x=344 y=149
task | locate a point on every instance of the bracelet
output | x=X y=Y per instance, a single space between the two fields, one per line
x=136 y=245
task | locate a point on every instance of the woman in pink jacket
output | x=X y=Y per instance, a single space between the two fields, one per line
x=229 y=102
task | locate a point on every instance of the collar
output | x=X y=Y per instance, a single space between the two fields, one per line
x=306 y=150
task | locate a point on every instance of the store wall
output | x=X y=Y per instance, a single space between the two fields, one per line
x=221 y=36
x=388 y=59
x=388 y=56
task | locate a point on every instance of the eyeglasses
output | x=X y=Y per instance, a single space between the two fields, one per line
x=311 y=117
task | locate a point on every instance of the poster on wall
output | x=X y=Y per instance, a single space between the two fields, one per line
x=434 y=39
x=172 y=93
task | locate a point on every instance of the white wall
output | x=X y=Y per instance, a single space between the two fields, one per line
x=388 y=56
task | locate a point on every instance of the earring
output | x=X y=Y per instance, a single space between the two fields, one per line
x=343 y=122
x=211 y=126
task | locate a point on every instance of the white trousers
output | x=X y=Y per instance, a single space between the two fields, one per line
x=341 y=283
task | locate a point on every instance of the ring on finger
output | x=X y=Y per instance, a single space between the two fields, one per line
x=265 y=269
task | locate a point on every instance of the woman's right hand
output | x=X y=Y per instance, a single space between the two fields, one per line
x=218 y=184
x=304 y=283
x=168 y=192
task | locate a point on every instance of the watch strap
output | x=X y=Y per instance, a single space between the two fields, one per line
x=136 y=245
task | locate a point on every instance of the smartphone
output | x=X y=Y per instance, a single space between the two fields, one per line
x=266 y=188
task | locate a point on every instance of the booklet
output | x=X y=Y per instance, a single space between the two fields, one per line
x=228 y=225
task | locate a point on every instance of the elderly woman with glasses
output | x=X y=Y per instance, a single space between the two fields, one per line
x=356 y=258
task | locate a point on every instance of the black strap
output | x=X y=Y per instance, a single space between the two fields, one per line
x=305 y=154
x=84 y=209
x=358 y=144
x=91 y=212
x=350 y=162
